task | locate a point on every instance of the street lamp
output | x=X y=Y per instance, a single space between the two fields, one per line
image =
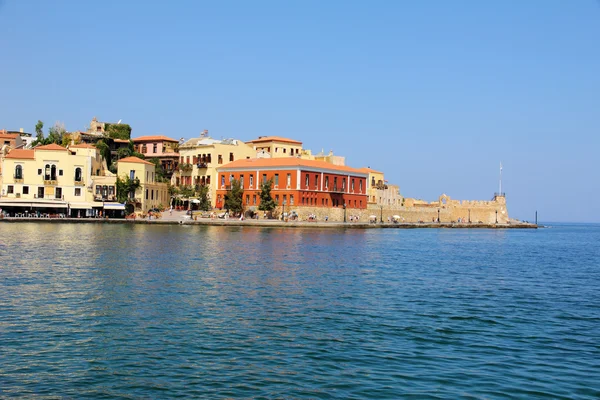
x=344 y=212
x=381 y=215
x=283 y=213
x=496 y=216
x=438 y=215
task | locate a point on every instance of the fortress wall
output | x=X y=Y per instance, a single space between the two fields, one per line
x=451 y=211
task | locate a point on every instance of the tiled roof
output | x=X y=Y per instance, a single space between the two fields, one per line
x=154 y=138
x=20 y=153
x=120 y=140
x=287 y=162
x=133 y=159
x=274 y=139
x=369 y=170
x=8 y=135
x=51 y=146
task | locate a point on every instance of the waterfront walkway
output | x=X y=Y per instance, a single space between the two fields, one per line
x=180 y=218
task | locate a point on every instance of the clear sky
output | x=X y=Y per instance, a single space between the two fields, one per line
x=434 y=93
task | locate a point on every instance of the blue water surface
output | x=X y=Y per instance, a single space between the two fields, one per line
x=138 y=311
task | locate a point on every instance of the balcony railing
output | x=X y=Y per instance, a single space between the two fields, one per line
x=50 y=182
x=79 y=182
x=201 y=165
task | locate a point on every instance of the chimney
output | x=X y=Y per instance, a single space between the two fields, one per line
x=21 y=130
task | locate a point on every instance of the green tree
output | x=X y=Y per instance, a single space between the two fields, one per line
x=104 y=151
x=233 y=197
x=125 y=186
x=266 y=200
x=56 y=133
x=202 y=193
x=39 y=133
x=160 y=173
x=118 y=131
x=187 y=191
x=123 y=152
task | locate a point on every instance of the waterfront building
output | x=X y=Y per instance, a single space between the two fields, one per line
x=150 y=194
x=297 y=183
x=380 y=192
x=161 y=147
x=200 y=157
x=15 y=139
x=275 y=147
x=71 y=181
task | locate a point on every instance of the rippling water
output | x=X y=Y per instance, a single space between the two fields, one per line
x=138 y=311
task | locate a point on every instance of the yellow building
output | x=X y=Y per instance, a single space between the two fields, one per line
x=379 y=191
x=275 y=147
x=151 y=194
x=200 y=157
x=52 y=179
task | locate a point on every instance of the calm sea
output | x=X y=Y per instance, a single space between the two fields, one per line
x=123 y=311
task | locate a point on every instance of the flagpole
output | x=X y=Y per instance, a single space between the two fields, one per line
x=500 y=192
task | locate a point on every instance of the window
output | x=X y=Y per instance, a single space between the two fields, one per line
x=146 y=194
x=77 y=191
x=60 y=172
x=99 y=190
x=247 y=199
x=222 y=180
x=58 y=193
x=77 y=174
x=360 y=186
x=326 y=182
x=40 y=193
x=111 y=190
x=277 y=198
x=303 y=200
x=132 y=174
x=289 y=180
x=10 y=189
x=19 y=172
x=39 y=171
x=284 y=150
x=230 y=157
x=155 y=148
x=254 y=199
x=251 y=181
x=220 y=160
x=242 y=181
x=276 y=179
x=25 y=189
x=264 y=178
x=352 y=188
x=292 y=199
x=317 y=182
x=344 y=184
x=335 y=183
x=152 y=194
x=285 y=197
x=306 y=181
x=53 y=173
x=144 y=149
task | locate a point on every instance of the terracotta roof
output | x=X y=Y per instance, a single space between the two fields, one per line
x=20 y=153
x=274 y=139
x=121 y=140
x=8 y=135
x=287 y=162
x=82 y=146
x=51 y=146
x=369 y=170
x=154 y=139
x=133 y=159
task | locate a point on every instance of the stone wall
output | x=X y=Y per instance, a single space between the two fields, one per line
x=448 y=210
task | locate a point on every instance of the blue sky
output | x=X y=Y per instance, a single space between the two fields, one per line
x=434 y=93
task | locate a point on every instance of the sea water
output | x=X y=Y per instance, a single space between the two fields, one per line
x=139 y=311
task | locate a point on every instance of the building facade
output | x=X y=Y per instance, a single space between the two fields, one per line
x=161 y=147
x=297 y=183
x=275 y=147
x=150 y=194
x=199 y=159
x=73 y=181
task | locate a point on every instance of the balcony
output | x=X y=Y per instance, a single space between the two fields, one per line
x=79 y=183
x=18 y=179
x=338 y=190
x=50 y=182
x=201 y=165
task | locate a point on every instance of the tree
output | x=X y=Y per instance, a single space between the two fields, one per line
x=123 y=152
x=125 y=186
x=233 y=197
x=117 y=131
x=161 y=176
x=56 y=133
x=266 y=200
x=39 y=133
x=202 y=193
x=104 y=151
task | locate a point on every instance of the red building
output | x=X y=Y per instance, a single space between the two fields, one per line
x=296 y=182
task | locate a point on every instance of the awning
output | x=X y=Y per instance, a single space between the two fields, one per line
x=114 y=206
x=30 y=204
x=80 y=206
